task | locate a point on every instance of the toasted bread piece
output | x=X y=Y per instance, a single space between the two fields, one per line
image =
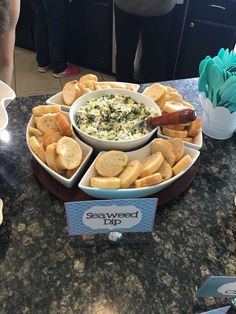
x=177 y=127
x=71 y=92
x=69 y=153
x=47 y=122
x=63 y=124
x=166 y=148
x=182 y=164
x=50 y=137
x=36 y=119
x=105 y=183
x=88 y=77
x=131 y=172
x=155 y=91
x=174 y=96
x=51 y=158
x=43 y=109
x=188 y=139
x=37 y=148
x=112 y=163
x=35 y=132
x=165 y=170
x=151 y=164
x=149 y=180
x=87 y=84
x=178 y=146
x=174 y=133
x=187 y=104
x=173 y=106
x=194 y=127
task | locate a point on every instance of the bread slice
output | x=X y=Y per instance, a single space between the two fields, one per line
x=182 y=164
x=151 y=164
x=131 y=172
x=174 y=133
x=35 y=132
x=155 y=91
x=71 y=92
x=178 y=146
x=37 y=148
x=50 y=137
x=88 y=77
x=149 y=180
x=166 y=148
x=173 y=106
x=69 y=153
x=174 y=96
x=51 y=158
x=194 y=127
x=165 y=170
x=43 y=109
x=105 y=183
x=187 y=104
x=177 y=127
x=47 y=122
x=112 y=163
x=188 y=139
x=63 y=124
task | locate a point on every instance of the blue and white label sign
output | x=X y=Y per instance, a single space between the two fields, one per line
x=103 y=216
x=218 y=286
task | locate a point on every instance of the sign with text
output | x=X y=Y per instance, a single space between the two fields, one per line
x=218 y=286
x=221 y=310
x=103 y=216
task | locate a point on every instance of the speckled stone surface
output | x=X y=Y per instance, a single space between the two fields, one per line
x=43 y=270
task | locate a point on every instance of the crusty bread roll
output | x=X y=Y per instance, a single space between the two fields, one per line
x=63 y=124
x=178 y=146
x=174 y=133
x=166 y=148
x=194 y=127
x=51 y=158
x=149 y=180
x=88 y=77
x=155 y=91
x=69 y=153
x=182 y=164
x=165 y=170
x=47 y=122
x=71 y=92
x=43 y=109
x=51 y=136
x=172 y=106
x=151 y=164
x=37 y=148
x=112 y=163
x=105 y=183
x=131 y=172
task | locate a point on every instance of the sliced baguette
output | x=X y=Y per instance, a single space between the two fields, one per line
x=194 y=128
x=37 y=148
x=50 y=137
x=71 y=92
x=63 y=124
x=69 y=153
x=174 y=133
x=172 y=106
x=112 y=163
x=178 y=146
x=105 y=183
x=35 y=132
x=51 y=158
x=155 y=91
x=149 y=180
x=88 y=77
x=131 y=172
x=43 y=109
x=166 y=148
x=165 y=170
x=151 y=164
x=47 y=122
x=182 y=164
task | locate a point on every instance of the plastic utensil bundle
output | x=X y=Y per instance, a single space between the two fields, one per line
x=217 y=79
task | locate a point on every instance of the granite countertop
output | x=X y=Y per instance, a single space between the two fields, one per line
x=43 y=270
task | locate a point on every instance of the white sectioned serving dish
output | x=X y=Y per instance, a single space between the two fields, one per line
x=6 y=96
x=57 y=99
x=86 y=150
x=197 y=139
x=139 y=154
x=102 y=144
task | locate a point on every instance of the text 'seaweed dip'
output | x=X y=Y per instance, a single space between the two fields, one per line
x=113 y=117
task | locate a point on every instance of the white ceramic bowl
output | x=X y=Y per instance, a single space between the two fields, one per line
x=86 y=150
x=197 y=140
x=100 y=144
x=58 y=99
x=139 y=154
x=6 y=96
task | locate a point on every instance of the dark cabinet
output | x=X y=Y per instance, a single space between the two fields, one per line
x=209 y=26
x=90 y=33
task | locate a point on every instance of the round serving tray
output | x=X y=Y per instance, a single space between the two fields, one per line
x=75 y=194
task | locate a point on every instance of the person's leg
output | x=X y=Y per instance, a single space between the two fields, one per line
x=7 y=43
x=155 y=35
x=127 y=28
x=41 y=34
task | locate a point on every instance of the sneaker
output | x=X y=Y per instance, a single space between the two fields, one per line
x=69 y=71
x=44 y=69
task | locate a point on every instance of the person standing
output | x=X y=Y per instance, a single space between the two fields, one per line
x=50 y=37
x=9 y=14
x=151 y=19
